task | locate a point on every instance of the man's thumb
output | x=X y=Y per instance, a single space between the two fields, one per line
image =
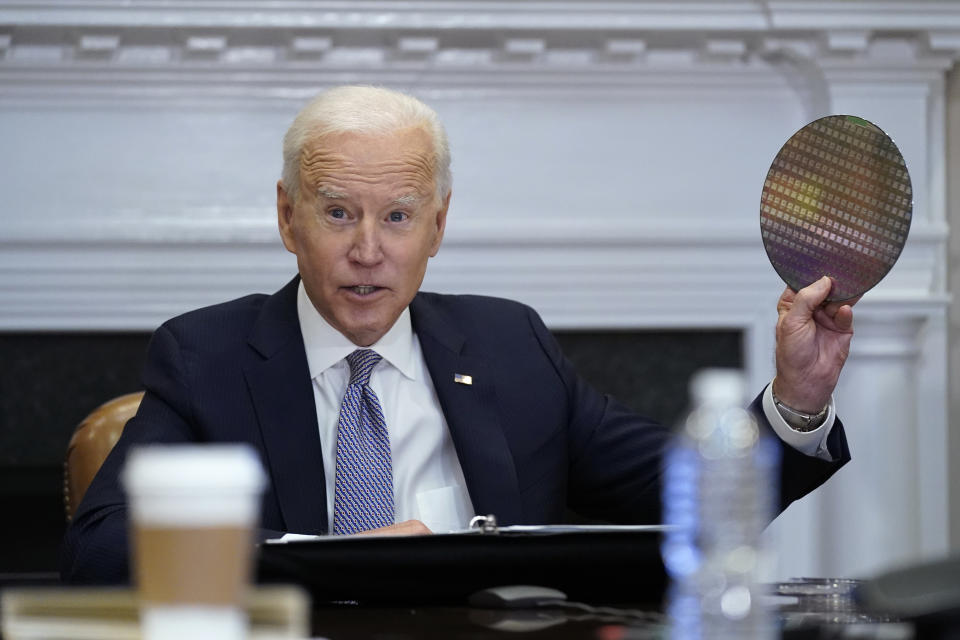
x=813 y=295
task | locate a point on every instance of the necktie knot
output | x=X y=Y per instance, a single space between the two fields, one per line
x=362 y=362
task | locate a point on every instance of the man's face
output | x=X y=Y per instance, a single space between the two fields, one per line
x=366 y=220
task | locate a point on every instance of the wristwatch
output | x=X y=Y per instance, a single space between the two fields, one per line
x=798 y=420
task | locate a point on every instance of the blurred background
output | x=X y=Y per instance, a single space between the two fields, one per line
x=608 y=163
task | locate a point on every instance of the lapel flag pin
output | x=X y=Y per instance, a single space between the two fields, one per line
x=462 y=379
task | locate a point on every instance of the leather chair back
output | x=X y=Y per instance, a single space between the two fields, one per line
x=91 y=442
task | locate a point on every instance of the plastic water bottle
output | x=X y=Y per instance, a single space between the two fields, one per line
x=719 y=489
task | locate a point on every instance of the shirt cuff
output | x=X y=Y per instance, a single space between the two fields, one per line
x=811 y=443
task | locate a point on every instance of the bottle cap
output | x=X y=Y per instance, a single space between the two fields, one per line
x=718 y=387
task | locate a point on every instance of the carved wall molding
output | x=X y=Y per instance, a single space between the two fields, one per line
x=850 y=16
x=268 y=51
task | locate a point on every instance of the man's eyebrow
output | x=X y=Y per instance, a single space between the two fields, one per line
x=407 y=200
x=330 y=194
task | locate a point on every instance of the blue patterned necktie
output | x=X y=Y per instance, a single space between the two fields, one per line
x=363 y=492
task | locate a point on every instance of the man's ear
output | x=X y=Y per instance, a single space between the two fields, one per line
x=441 y=224
x=285 y=218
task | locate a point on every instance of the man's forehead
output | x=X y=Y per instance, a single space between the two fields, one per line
x=412 y=145
x=338 y=165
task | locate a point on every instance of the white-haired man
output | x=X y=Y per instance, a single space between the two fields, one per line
x=377 y=406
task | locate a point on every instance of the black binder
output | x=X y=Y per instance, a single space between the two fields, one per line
x=607 y=564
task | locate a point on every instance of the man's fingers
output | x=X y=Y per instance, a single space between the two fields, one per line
x=843 y=318
x=786 y=300
x=405 y=528
x=412 y=528
x=832 y=307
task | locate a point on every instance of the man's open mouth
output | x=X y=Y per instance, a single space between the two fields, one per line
x=364 y=289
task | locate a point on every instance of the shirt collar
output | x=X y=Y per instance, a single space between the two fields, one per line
x=325 y=346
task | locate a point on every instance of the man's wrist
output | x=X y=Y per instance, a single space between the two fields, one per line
x=800 y=420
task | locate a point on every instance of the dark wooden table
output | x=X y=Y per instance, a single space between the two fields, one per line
x=806 y=609
x=811 y=609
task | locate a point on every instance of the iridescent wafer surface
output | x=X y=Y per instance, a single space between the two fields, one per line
x=837 y=201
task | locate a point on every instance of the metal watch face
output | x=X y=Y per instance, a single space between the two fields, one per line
x=837 y=201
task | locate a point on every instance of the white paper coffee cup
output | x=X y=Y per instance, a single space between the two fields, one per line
x=193 y=511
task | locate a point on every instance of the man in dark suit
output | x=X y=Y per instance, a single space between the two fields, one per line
x=466 y=404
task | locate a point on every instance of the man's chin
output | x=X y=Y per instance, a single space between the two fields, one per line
x=365 y=333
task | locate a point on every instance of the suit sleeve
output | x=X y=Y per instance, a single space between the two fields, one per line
x=95 y=549
x=616 y=456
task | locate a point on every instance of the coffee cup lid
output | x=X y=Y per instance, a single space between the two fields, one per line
x=189 y=468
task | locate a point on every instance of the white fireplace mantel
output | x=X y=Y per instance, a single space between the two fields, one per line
x=608 y=161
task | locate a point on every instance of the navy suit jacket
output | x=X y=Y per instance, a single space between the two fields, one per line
x=531 y=436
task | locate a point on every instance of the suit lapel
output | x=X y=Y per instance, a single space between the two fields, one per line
x=471 y=413
x=282 y=392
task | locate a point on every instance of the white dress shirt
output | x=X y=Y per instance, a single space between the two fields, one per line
x=428 y=482
x=811 y=443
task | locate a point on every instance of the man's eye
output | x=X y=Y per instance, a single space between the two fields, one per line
x=397 y=216
x=338 y=213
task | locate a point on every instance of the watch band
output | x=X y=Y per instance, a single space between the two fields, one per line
x=798 y=420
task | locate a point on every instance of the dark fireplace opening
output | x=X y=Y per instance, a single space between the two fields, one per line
x=51 y=381
x=649 y=370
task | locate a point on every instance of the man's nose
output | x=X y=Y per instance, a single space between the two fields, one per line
x=367 y=248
